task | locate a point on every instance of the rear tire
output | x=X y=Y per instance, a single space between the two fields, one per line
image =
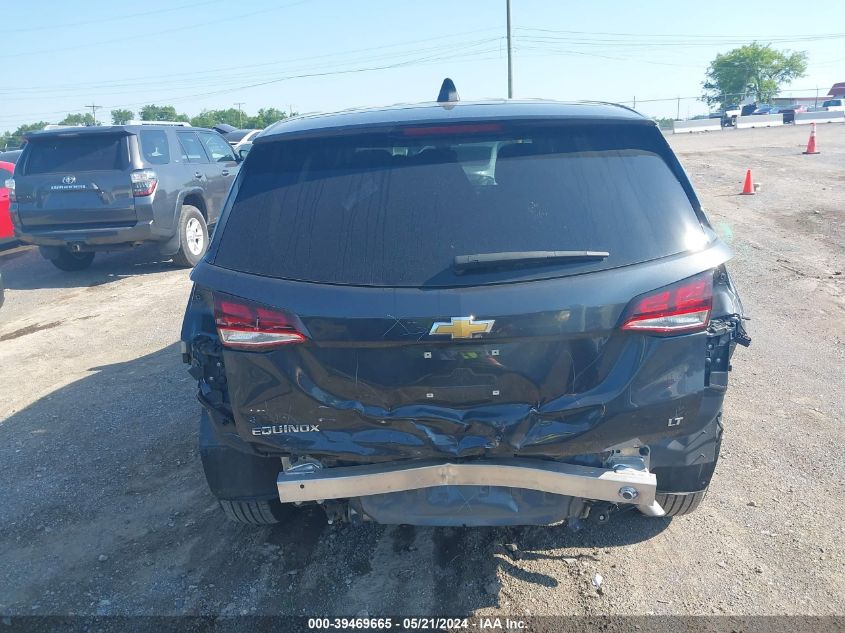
x=69 y=261
x=193 y=237
x=254 y=512
x=675 y=504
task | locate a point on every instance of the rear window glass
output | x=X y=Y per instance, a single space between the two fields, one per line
x=236 y=136
x=155 y=147
x=89 y=152
x=396 y=210
x=5 y=174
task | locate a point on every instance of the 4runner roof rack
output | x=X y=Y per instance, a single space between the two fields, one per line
x=176 y=123
x=55 y=126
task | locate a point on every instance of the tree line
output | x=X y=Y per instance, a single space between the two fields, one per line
x=152 y=112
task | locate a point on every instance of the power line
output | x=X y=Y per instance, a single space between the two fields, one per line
x=422 y=60
x=181 y=29
x=216 y=72
x=471 y=48
x=114 y=18
x=693 y=36
x=599 y=55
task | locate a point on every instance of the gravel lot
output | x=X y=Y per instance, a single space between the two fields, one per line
x=104 y=509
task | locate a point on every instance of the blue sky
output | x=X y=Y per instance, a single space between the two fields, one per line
x=315 y=55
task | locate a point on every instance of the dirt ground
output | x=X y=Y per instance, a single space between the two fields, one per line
x=104 y=509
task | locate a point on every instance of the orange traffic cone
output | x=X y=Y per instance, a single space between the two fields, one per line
x=811 y=144
x=748 y=189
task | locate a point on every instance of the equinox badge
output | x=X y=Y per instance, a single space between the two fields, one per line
x=461 y=327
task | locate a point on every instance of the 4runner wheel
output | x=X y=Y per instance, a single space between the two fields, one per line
x=254 y=512
x=69 y=261
x=677 y=504
x=193 y=237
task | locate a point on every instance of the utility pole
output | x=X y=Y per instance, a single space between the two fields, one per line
x=678 y=118
x=816 y=103
x=510 y=53
x=240 y=113
x=635 y=102
x=94 y=109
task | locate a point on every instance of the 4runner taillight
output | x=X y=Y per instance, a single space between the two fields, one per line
x=682 y=307
x=10 y=185
x=144 y=182
x=243 y=324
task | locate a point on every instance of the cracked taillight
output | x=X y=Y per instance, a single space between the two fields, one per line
x=246 y=325
x=679 y=308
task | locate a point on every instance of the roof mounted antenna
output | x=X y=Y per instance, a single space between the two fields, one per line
x=448 y=92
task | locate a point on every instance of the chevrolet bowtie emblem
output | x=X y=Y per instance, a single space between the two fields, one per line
x=461 y=327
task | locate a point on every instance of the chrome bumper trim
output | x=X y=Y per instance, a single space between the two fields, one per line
x=563 y=479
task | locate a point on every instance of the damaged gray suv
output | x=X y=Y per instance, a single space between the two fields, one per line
x=497 y=313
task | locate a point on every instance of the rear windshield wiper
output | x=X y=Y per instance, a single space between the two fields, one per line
x=464 y=263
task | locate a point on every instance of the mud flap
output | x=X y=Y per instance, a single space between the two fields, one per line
x=171 y=246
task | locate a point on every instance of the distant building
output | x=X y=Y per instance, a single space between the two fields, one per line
x=796 y=101
x=838 y=90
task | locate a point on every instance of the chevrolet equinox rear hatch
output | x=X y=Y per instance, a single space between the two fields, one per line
x=521 y=288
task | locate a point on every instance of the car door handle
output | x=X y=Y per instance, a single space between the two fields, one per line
x=198 y=175
x=225 y=172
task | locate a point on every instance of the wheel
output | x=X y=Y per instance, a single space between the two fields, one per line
x=677 y=504
x=69 y=261
x=193 y=237
x=254 y=512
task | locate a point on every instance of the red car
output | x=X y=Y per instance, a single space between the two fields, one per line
x=6 y=231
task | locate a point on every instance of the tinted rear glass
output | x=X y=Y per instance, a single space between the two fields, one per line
x=91 y=152
x=5 y=174
x=237 y=136
x=11 y=156
x=395 y=210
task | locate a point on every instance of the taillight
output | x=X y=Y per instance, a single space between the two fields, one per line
x=144 y=182
x=10 y=185
x=682 y=307
x=243 y=324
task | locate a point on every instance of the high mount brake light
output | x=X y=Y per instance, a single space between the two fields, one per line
x=682 y=307
x=451 y=130
x=245 y=325
x=144 y=182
